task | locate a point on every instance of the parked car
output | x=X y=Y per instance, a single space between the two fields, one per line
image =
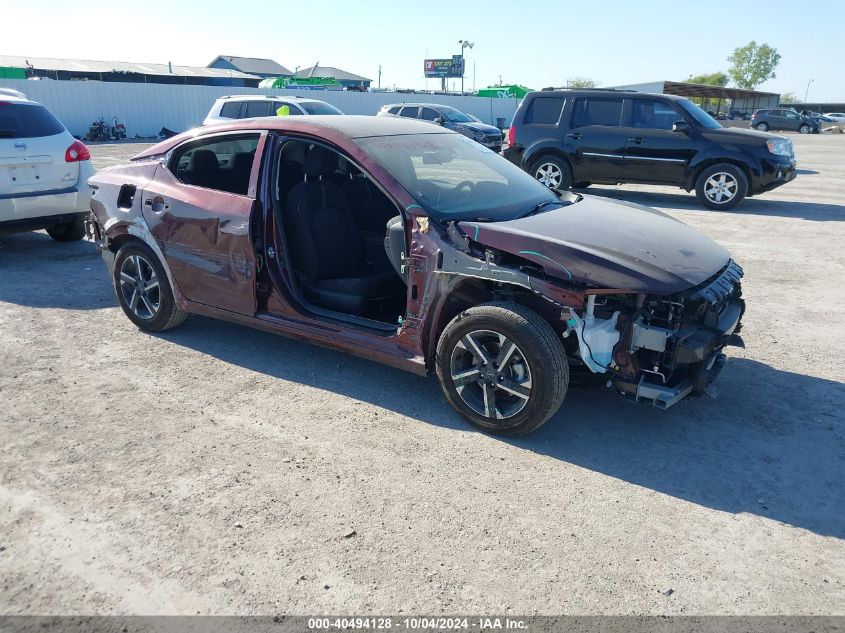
x=249 y=106
x=788 y=119
x=450 y=118
x=577 y=137
x=836 y=116
x=43 y=170
x=403 y=243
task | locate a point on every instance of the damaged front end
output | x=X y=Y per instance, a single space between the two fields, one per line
x=660 y=348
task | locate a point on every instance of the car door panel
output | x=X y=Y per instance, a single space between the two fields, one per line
x=654 y=153
x=595 y=142
x=204 y=234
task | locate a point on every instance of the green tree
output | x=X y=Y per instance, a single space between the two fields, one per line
x=713 y=79
x=789 y=97
x=751 y=64
x=581 y=82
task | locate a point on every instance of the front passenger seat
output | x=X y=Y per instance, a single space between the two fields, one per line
x=325 y=247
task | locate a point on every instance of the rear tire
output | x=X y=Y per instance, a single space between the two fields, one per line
x=72 y=231
x=721 y=187
x=553 y=172
x=143 y=289
x=522 y=379
x=762 y=127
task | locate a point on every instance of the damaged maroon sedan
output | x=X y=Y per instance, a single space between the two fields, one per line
x=414 y=246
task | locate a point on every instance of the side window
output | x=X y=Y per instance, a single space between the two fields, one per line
x=395 y=109
x=230 y=110
x=223 y=164
x=596 y=111
x=790 y=114
x=544 y=111
x=428 y=114
x=409 y=111
x=258 y=108
x=655 y=115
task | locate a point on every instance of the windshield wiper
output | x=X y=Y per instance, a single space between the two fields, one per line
x=538 y=207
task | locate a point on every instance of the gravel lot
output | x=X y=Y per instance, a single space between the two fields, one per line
x=217 y=469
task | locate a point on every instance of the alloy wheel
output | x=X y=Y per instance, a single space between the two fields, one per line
x=140 y=288
x=491 y=375
x=721 y=188
x=549 y=174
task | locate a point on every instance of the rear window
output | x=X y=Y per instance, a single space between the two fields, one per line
x=24 y=120
x=594 y=111
x=410 y=112
x=318 y=107
x=230 y=110
x=544 y=110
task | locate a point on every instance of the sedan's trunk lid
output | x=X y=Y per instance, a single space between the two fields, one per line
x=608 y=244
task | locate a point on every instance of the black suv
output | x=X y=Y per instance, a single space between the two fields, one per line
x=572 y=138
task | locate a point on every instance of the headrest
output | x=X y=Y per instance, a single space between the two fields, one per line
x=320 y=162
x=204 y=159
x=295 y=152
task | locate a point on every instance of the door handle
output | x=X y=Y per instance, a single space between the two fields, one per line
x=148 y=202
x=574 y=135
x=639 y=140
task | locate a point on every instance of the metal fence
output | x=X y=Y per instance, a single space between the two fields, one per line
x=146 y=108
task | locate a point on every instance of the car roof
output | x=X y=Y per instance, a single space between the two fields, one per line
x=9 y=94
x=296 y=98
x=349 y=126
x=416 y=104
x=603 y=92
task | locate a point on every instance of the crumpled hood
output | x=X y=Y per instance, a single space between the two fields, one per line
x=608 y=244
x=478 y=127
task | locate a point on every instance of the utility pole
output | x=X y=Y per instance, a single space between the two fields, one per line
x=807 y=91
x=379 y=76
x=464 y=45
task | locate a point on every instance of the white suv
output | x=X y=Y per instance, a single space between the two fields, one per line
x=43 y=171
x=249 y=106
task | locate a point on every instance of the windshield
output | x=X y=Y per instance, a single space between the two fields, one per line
x=455 y=178
x=318 y=107
x=455 y=116
x=700 y=116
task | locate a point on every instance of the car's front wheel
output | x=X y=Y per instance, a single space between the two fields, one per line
x=72 y=231
x=805 y=129
x=502 y=367
x=553 y=172
x=143 y=289
x=762 y=127
x=721 y=187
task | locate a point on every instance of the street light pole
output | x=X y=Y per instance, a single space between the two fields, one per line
x=807 y=91
x=464 y=44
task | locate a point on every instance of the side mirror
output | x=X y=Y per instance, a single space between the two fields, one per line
x=681 y=126
x=438 y=120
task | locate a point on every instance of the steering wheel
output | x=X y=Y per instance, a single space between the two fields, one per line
x=465 y=184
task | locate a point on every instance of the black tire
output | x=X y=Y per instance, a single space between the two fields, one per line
x=553 y=172
x=762 y=127
x=536 y=345
x=804 y=129
x=167 y=315
x=731 y=173
x=68 y=231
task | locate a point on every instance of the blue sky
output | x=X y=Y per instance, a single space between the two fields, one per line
x=536 y=44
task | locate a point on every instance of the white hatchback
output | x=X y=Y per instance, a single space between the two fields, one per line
x=249 y=106
x=43 y=171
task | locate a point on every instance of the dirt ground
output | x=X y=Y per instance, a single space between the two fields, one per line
x=217 y=469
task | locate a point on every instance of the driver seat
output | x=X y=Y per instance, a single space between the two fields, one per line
x=326 y=249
